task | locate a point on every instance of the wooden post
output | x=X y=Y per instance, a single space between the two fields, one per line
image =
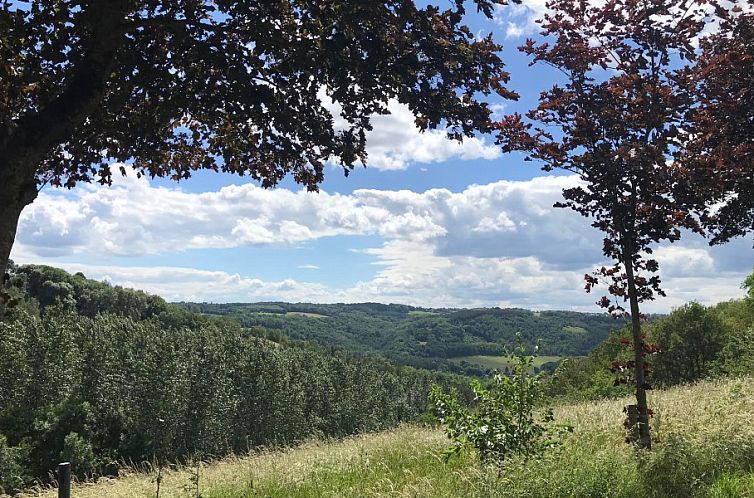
x=64 y=480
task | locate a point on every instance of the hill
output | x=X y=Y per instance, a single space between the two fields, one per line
x=703 y=448
x=99 y=375
x=453 y=339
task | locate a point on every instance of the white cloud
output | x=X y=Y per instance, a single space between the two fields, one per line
x=497 y=244
x=308 y=267
x=190 y=284
x=395 y=142
x=519 y=19
x=684 y=261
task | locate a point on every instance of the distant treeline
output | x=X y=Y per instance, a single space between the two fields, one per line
x=97 y=375
x=423 y=337
x=695 y=342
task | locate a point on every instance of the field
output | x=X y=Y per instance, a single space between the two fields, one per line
x=304 y=314
x=500 y=362
x=703 y=447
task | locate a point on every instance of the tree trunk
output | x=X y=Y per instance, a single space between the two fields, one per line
x=15 y=197
x=645 y=440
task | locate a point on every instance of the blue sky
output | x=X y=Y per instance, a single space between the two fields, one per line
x=429 y=222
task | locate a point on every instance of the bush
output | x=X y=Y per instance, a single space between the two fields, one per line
x=504 y=420
x=79 y=452
x=11 y=470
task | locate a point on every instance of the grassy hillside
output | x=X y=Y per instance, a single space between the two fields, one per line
x=429 y=338
x=704 y=447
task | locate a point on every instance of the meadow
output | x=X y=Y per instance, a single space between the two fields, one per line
x=703 y=447
x=502 y=362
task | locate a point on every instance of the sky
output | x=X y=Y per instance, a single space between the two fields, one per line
x=429 y=222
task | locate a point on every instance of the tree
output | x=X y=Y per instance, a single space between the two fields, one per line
x=690 y=339
x=171 y=87
x=615 y=123
x=719 y=161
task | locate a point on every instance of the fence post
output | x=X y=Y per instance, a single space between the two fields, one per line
x=64 y=480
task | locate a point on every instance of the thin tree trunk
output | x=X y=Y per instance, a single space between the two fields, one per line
x=645 y=440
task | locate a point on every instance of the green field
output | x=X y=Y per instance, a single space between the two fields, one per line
x=307 y=315
x=500 y=362
x=703 y=447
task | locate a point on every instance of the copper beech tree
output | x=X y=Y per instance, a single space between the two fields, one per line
x=719 y=160
x=616 y=121
x=174 y=86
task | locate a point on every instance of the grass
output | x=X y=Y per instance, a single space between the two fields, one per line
x=305 y=314
x=574 y=330
x=703 y=447
x=500 y=362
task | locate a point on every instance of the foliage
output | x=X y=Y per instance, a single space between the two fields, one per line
x=109 y=388
x=690 y=338
x=589 y=377
x=79 y=452
x=503 y=420
x=719 y=158
x=12 y=472
x=737 y=354
x=422 y=337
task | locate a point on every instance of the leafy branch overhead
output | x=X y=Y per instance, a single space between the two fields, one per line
x=178 y=86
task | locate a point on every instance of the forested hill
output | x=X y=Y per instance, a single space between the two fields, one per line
x=460 y=340
x=444 y=338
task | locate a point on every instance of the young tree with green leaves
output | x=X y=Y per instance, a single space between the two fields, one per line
x=506 y=418
x=170 y=87
x=616 y=121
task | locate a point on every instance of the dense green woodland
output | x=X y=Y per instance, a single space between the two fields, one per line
x=427 y=338
x=97 y=375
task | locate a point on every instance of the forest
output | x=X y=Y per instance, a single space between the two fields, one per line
x=100 y=375
x=423 y=337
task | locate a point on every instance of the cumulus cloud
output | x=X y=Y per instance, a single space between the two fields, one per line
x=497 y=244
x=520 y=19
x=395 y=142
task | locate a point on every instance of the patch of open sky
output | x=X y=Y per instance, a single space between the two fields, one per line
x=332 y=261
x=455 y=175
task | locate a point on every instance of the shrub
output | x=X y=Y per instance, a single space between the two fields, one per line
x=11 y=471
x=79 y=452
x=505 y=419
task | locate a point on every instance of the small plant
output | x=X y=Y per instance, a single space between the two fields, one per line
x=194 y=468
x=505 y=420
